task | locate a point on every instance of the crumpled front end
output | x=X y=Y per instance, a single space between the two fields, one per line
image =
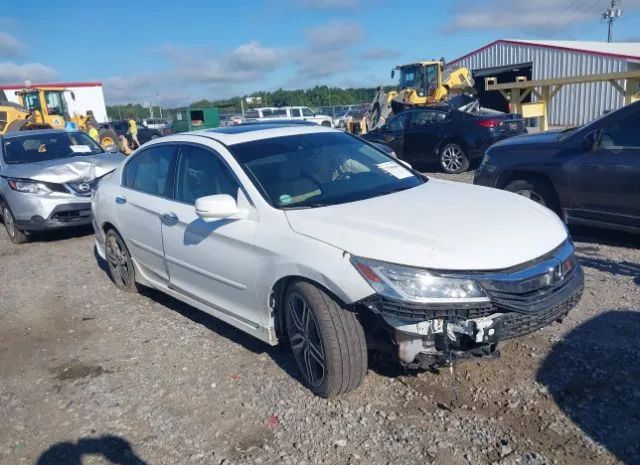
x=520 y=301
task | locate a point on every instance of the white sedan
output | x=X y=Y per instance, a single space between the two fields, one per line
x=313 y=236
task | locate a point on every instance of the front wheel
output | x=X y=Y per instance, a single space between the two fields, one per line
x=327 y=341
x=453 y=160
x=17 y=236
x=537 y=191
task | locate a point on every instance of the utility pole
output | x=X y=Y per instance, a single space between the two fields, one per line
x=610 y=15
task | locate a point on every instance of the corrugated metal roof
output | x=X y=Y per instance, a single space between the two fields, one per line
x=623 y=49
x=626 y=50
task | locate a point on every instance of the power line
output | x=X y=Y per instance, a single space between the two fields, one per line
x=611 y=14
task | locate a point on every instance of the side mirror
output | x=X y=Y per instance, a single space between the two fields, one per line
x=591 y=140
x=217 y=206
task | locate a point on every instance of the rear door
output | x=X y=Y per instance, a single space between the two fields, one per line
x=147 y=183
x=605 y=182
x=424 y=134
x=213 y=260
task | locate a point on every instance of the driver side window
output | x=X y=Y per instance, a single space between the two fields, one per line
x=398 y=123
x=201 y=173
x=624 y=133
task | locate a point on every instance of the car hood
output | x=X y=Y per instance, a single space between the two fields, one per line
x=440 y=225
x=526 y=140
x=64 y=170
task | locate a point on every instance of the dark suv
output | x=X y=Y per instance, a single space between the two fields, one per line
x=588 y=175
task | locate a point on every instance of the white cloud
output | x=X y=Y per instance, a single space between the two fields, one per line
x=335 y=34
x=10 y=46
x=379 y=54
x=531 y=16
x=13 y=73
x=253 y=56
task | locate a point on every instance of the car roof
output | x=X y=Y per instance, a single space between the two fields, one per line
x=240 y=133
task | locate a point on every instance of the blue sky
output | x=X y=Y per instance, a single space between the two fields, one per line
x=216 y=49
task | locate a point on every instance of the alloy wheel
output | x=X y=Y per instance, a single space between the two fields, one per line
x=306 y=343
x=452 y=158
x=532 y=195
x=118 y=260
x=8 y=222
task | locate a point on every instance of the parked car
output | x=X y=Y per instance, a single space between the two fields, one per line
x=46 y=179
x=311 y=235
x=300 y=113
x=588 y=175
x=144 y=134
x=155 y=123
x=454 y=138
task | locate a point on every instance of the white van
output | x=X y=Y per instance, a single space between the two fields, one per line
x=300 y=113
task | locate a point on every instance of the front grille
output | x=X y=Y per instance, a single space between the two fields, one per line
x=420 y=312
x=71 y=215
x=84 y=188
x=518 y=324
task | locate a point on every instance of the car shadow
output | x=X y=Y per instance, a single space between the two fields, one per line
x=604 y=236
x=592 y=374
x=280 y=354
x=114 y=449
x=61 y=234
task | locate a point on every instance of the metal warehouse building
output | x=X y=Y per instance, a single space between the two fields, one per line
x=545 y=59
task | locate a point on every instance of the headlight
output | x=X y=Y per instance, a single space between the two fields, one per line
x=417 y=285
x=28 y=186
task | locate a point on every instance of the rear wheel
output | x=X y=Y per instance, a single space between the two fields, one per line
x=119 y=262
x=537 y=191
x=17 y=236
x=453 y=160
x=327 y=340
x=326 y=124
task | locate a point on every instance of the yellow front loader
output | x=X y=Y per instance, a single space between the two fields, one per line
x=44 y=108
x=422 y=83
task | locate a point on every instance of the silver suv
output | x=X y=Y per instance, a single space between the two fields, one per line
x=47 y=178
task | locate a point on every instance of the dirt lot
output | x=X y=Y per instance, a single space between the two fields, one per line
x=90 y=375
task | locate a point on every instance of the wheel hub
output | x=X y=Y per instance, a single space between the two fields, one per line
x=305 y=340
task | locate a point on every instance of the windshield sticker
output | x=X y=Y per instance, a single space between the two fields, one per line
x=80 y=148
x=395 y=170
x=285 y=198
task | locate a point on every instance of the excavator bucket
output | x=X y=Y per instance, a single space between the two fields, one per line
x=380 y=110
x=458 y=81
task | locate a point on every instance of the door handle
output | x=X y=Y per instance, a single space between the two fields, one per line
x=169 y=218
x=120 y=200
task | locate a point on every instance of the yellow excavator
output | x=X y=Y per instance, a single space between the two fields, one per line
x=422 y=83
x=44 y=108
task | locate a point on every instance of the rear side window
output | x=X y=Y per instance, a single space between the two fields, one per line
x=201 y=173
x=306 y=112
x=397 y=123
x=295 y=113
x=151 y=171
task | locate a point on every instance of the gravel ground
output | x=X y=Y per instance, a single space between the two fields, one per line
x=91 y=375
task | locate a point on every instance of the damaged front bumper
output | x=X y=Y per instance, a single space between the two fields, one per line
x=426 y=334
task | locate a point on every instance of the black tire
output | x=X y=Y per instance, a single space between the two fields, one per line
x=108 y=137
x=453 y=159
x=327 y=340
x=17 y=236
x=326 y=124
x=537 y=191
x=119 y=262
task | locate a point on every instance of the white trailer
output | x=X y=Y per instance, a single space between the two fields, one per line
x=88 y=96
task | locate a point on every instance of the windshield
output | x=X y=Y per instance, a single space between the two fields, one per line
x=421 y=78
x=314 y=170
x=37 y=147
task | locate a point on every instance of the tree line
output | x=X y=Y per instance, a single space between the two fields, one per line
x=315 y=97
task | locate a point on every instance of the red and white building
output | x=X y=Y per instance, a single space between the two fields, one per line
x=88 y=96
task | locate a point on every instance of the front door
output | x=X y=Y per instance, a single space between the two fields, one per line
x=212 y=260
x=392 y=134
x=147 y=184
x=605 y=181
x=423 y=135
